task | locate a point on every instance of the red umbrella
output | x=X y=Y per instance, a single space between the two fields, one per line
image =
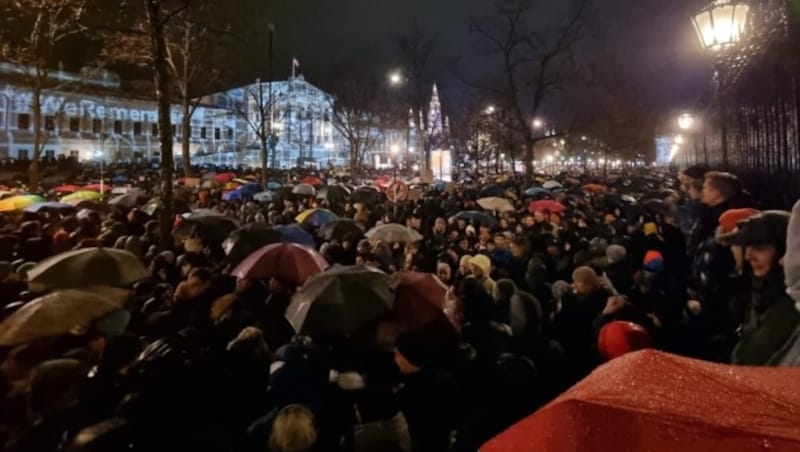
x=224 y=177
x=383 y=181
x=658 y=402
x=285 y=261
x=546 y=204
x=95 y=187
x=312 y=180
x=419 y=298
x=67 y=188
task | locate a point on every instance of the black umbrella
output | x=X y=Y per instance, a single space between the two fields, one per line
x=127 y=201
x=333 y=194
x=366 y=195
x=179 y=206
x=242 y=242
x=658 y=207
x=341 y=230
x=207 y=226
x=478 y=217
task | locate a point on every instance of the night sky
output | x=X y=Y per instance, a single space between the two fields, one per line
x=654 y=39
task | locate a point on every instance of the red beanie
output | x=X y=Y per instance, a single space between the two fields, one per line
x=618 y=338
x=729 y=220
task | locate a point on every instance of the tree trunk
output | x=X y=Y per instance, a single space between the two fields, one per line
x=530 y=150
x=161 y=76
x=33 y=170
x=264 y=154
x=354 y=160
x=186 y=125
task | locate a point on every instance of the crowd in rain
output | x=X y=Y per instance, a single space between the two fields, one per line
x=310 y=313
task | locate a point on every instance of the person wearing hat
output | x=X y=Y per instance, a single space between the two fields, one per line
x=772 y=316
x=481 y=268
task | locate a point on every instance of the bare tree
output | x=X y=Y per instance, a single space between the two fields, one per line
x=255 y=106
x=31 y=34
x=535 y=62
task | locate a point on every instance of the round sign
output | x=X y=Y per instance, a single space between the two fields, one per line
x=397 y=191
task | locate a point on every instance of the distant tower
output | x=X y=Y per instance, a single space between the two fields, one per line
x=435 y=124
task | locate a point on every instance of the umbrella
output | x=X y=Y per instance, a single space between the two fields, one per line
x=233 y=195
x=242 y=242
x=552 y=184
x=419 y=299
x=224 y=178
x=594 y=187
x=658 y=402
x=178 y=206
x=536 y=191
x=89 y=267
x=83 y=195
x=340 y=300
x=293 y=233
x=57 y=207
x=366 y=195
x=119 y=179
x=333 y=193
x=304 y=190
x=393 y=233
x=341 y=230
x=266 y=196
x=272 y=185
x=246 y=191
x=19 y=202
x=496 y=204
x=56 y=314
x=312 y=180
x=96 y=187
x=206 y=225
x=66 y=189
x=628 y=199
x=493 y=190
x=285 y=261
x=209 y=176
x=126 y=201
x=90 y=204
x=474 y=216
x=551 y=206
x=315 y=217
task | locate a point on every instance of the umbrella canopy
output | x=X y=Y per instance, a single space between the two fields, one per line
x=272 y=185
x=89 y=267
x=178 y=206
x=19 y=202
x=366 y=195
x=57 y=313
x=341 y=230
x=96 y=187
x=285 y=261
x=267 y=196
x=316 y=217
x=496 y=204
x=64 y=189
x=293 y=233
x=209 y=226
x=536 y=191
x=493 y=190
x=304 y=190
x=480 y=218
x=244 y=241
x=552 y=185
x=393 y=232
x=126 y=201
x=83 y=195
x=119 y=179
x=57 y=207
x=312 y=180
x=551 y=206
x=224 y=178
x=419 y=299
x=594 y=187
x=340 y=300
x=333 y=193
x=656 y=402
x=246 y=191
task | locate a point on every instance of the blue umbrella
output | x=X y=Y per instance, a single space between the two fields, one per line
x=536 y=191
x=51 y=206
x=316 y=217
x=440 y=185
x=272 y=185
x=481 y=218
x=234 y=195
x=293 y=233
x=119 y=179
x=493 y=190
x=249 y=190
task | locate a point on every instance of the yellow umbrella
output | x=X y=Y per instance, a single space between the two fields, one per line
x=83 y=195
x=19 y=202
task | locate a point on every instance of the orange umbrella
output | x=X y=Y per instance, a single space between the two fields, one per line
x=312 y=180
x=657 y=402
x=594 y=187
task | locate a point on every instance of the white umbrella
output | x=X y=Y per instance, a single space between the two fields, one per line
x=304 y=189
x=552 y=184
x=392 y=233
x=497 y=204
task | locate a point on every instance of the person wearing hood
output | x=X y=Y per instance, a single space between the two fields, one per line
x=481 y=267
x=772 y=316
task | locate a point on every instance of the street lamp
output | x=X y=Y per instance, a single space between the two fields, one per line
x=679 y=139
x=99 y=156
x=685 y=121
x=722 y=24
x=490 y=110
x=395 y=78
x=538 y=123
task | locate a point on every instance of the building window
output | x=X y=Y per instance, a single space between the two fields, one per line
x=118 y=127
x=49 y=123
x=154 y=129
x=203 y=133
x=230 y=133
x=97 y=125
x=217 y=133
x=50 y=154
x=75 y=154
x=22 y=154
x=137 y=128
x=23 y=121
x=74 y=124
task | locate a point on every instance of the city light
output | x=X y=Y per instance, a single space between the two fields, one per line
x=395 y=78
x=583 y=138
x=548 y=159
x=415 y=167
x=490 y=110
x=721 y=24
x=685 y=121
x=394 y=149
x=679 y=139
x=538 y=123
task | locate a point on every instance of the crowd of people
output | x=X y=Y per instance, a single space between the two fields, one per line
x=543 y=281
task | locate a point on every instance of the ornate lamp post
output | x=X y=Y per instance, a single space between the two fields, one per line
x=721 y=26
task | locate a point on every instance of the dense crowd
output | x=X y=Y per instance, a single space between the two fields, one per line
x=541 y=282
